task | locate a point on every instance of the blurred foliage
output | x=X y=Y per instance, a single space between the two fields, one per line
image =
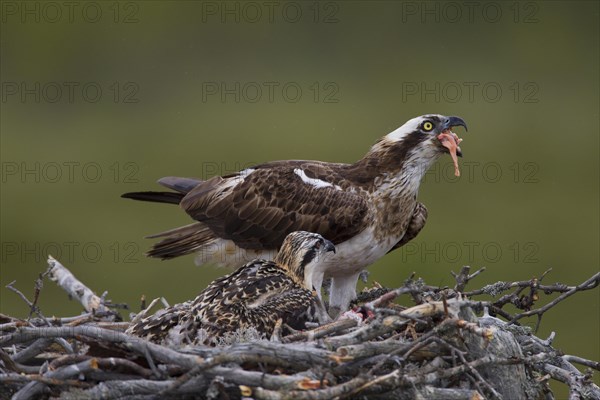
x=524 y=75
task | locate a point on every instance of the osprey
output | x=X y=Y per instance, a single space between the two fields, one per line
x=255 y=296
x=366 y=209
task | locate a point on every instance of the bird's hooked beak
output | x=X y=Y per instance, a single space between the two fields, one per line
x=451 y=122
x=329 y=246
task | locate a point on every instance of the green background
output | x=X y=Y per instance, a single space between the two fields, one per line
x=524 y=75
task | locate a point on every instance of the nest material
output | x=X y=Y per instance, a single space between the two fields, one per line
x=448 y=346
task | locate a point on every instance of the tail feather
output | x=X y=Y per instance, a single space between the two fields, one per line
x=179 y=231
x=156 y=197
x=181 y=185
x=180 y=241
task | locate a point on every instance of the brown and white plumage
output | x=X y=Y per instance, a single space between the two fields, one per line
x=366 y=209
x=255 y=297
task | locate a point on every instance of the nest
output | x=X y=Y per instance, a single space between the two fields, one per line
x=449 y=345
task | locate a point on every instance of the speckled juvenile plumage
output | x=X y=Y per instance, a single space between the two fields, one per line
x=255 y=297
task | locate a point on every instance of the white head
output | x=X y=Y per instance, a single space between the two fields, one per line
x=403 y=156
x=424 y=128
x=419 y=142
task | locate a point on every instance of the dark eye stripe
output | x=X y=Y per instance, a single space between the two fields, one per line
x=309 y=256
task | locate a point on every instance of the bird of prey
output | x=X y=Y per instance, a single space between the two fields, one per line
x=366 y=209
x=256 y=296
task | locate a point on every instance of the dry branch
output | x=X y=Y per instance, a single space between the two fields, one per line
x=67 y=281
x=447 y=346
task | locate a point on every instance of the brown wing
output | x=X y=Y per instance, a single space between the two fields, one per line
x=157 y=326
x=245 y=284
x=258 y=210
x=256 y=295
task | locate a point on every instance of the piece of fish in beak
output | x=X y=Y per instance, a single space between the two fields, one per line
x=450 y=140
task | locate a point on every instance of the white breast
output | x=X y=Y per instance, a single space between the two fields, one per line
x=357 y=253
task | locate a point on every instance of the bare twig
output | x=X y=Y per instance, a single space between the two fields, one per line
x=322 y=331
x=39 y=284
x=463 y=277
x=138 y=345
x=32 y=306
x=587 y=285
x=582 y=361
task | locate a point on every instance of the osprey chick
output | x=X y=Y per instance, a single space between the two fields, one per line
x=366 y=209
x=255 y=296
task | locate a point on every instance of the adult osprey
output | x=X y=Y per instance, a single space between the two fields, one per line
x=366 y=209
x=256 y=296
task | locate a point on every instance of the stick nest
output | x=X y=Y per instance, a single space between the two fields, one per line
x=449 y=345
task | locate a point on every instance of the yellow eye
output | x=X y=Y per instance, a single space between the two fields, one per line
x=427 y=126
